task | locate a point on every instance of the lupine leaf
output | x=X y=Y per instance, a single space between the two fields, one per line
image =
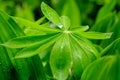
x=66 y=22
x=49 y=13
x=83 y=54
x=60 y=59
x=30 y=24
x=36 y=49
x=79 y=29
x=26 y=41
x=95 y=35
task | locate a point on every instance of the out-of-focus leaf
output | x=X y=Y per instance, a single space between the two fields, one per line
x=95 y=35
x=50 y=14
x=22 y=69
x=66 y=22
x=36 y=49
x=24 y=12
x=106 y=9
x=98 y=48
x=60 y=59
x=71 y=10
x=5 y=64
x=27 y=41
x=106 y=23
x=115 y=35
x=32 y=4
x=38 y=68
x=112 y=48
x=105 y=68
x=58 y=5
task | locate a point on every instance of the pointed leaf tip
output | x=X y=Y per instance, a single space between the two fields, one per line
x=51 y=14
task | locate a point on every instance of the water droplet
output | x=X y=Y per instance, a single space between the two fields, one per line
x=60 y=26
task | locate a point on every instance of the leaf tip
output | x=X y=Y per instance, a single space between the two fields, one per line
x=109 y=34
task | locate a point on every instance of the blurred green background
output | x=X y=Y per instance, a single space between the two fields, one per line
x=82 y=12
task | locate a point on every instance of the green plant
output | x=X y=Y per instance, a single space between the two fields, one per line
x=64 y=49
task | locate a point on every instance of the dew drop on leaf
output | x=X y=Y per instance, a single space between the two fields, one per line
x=60 y=26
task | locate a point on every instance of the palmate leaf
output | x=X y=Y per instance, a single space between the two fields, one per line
x=70 y=48
x=60 y=59
x=49 y=13
x=26 y=41
x=105 y=68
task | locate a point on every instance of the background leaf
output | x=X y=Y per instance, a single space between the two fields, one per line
x=105 y=68
x=106 y=9
x=71 y=10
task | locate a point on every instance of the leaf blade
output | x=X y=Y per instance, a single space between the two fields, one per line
x=36 y=49
x=95 y=35
x=25 y=41
x=60 y=59
x=51 y=14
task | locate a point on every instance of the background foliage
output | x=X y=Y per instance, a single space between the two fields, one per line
x=25 y=32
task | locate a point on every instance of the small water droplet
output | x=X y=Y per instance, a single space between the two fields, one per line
x=60 y=26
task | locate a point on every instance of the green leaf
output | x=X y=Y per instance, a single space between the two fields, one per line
x=30 y=24
x=36 y=49
x=60 y=59
x=95 y=35
x=66 y=22
x=105 y=68
x=106 y=9
x=39 y=21
x=83 y=54
x=71 y=10
x=26 y=41
x=51 y=15
x=105 y=23
x=79 y=29
x=112 y=48
x=5 y=64
x=116 y=32
x=22 y=69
